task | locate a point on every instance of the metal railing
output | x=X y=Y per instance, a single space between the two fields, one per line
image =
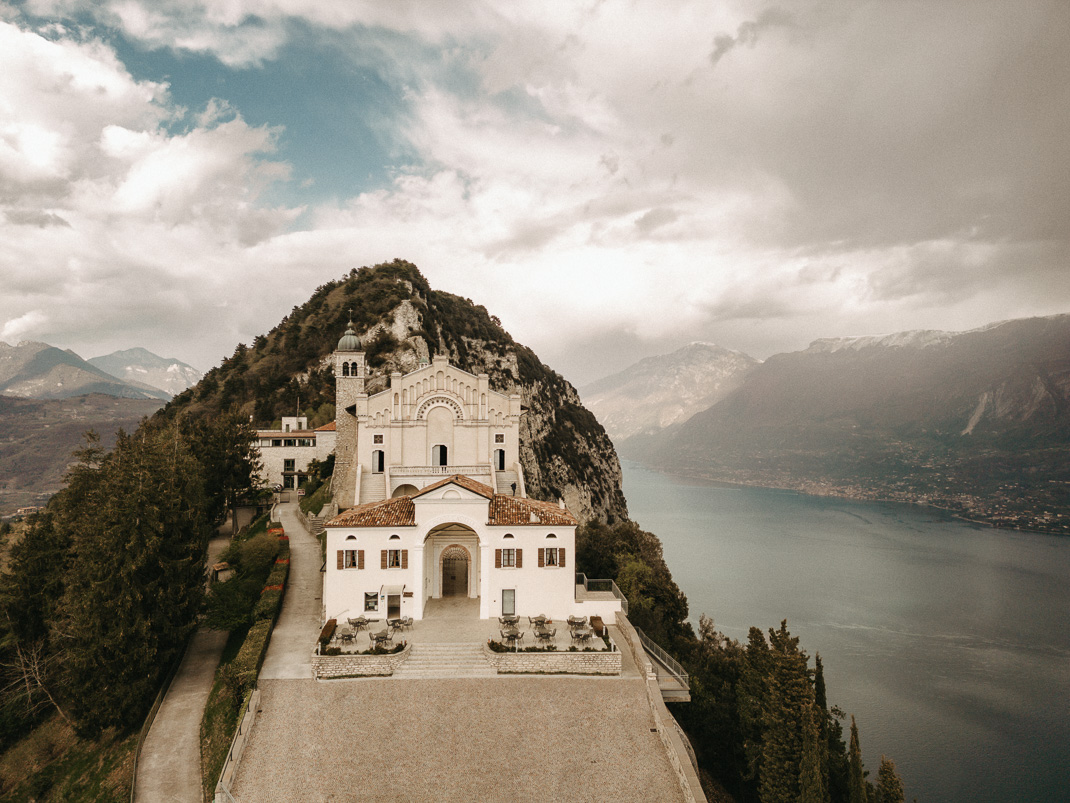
x=603 y=585
x=445 y=471
x=664 y=664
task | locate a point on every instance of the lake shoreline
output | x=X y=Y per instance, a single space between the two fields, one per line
x=717 y=482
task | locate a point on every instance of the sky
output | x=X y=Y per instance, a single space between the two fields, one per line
x=611 y=179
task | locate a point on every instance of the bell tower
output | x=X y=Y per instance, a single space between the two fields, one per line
x=349 y=375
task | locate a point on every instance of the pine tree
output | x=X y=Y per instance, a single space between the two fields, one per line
x=753 y=689
x=889 y=784
x=857 y=783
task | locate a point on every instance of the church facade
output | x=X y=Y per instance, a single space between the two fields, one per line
x=431 y=492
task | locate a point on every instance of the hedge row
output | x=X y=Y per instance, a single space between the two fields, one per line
x=246 y=664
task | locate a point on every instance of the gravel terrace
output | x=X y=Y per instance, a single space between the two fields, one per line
x=507 y=739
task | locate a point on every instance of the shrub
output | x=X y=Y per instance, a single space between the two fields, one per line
x=328 y=632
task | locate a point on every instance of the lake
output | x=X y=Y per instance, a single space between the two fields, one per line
x=949 y=642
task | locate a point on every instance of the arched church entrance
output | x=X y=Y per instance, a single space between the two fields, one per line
x=456 y=564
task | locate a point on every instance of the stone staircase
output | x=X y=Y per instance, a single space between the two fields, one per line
x=445 y=661
x=505 y=480
x=372 y=488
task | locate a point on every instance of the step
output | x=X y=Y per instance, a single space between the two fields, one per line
x=445 y=661
x=505 y=480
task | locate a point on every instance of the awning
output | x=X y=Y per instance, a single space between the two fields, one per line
x=386 y=590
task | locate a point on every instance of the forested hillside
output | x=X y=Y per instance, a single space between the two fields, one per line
x=400 y=319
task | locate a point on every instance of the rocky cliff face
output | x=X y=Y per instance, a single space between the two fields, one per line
x=565 y=452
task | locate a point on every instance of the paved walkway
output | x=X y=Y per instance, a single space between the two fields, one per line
x=169 y=769
x=289 y=654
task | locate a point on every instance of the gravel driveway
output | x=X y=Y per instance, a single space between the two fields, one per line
x=500 y=739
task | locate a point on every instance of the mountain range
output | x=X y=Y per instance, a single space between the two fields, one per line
x=39 y=371
x=977 y=422
x=140 y=367
x=658 y=392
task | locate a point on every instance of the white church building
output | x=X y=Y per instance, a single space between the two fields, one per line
x=431 y=492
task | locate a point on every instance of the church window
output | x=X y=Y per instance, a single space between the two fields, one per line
x=345 y=369
x=499 y=437
x=439 y=455
x=371 y=600
x=377 y=438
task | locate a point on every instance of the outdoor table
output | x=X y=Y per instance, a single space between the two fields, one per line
x=511 y=620
x=538 y=620
x=395 y=624
x=382 y=635
x=346 y=636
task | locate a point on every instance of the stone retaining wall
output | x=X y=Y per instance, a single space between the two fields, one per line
x=325 y=667
x=602 y=662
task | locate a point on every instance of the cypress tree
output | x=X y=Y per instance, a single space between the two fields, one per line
x=134 y=579
x=889 y=784
x=788 y=707
x=857 y=783
x=813 y=785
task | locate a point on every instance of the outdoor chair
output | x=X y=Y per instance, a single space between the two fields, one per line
x=406 y=621
x=506 y=638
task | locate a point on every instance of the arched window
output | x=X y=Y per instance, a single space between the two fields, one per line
x=345 y=369
x=394 y=538
x=351 y=538
x=551 y=535
x=508 y=535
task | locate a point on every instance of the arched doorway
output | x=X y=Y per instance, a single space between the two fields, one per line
x=456 y=564
x=499 y=459
x=452 y=563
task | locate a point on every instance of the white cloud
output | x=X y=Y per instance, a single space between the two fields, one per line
x=757 y=174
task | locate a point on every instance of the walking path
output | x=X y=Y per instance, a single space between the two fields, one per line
x=289 y=654
x=169 y=768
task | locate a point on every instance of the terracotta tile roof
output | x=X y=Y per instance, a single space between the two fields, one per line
x=468 y=483
x=515 y=511
x=398 y=512
x=502 y=510
x=331 y=427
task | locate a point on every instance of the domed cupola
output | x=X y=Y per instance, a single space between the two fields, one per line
x=349 y=341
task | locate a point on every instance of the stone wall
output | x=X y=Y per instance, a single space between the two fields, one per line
x=602 y=662
x=325 y=667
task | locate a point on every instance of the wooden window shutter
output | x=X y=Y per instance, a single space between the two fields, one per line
x=519 y=558
x=360 y=558
x=382 y=559
x=404 y=559
x=341 y=558
x=542 y=557
x=497 y=558
x=561 y=557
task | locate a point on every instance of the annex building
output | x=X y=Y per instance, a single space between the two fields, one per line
x=432 y=501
